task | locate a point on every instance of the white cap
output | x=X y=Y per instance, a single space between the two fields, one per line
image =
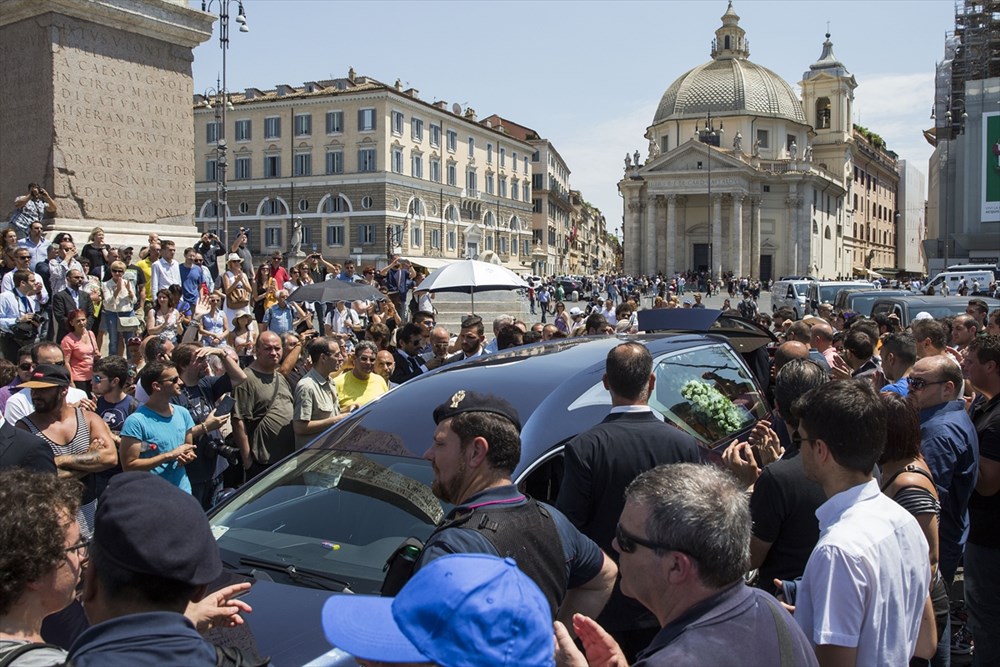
x=923 y=315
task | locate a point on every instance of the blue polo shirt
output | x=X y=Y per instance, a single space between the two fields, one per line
x=151 y=638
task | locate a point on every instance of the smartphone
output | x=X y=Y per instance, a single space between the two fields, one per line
x=225 y=406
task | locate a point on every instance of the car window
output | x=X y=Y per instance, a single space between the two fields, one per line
x=791 y=292
x=337 y=513
x=706 y=392
x=801 y=290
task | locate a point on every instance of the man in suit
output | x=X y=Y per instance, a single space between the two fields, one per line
x=20 y=449
x=602 y=461
x=74 y=296
x=409 y=363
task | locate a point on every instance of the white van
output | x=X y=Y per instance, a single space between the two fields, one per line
x=790 y=294
x=954 y=280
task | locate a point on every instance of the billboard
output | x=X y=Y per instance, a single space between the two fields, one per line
x=991 y=168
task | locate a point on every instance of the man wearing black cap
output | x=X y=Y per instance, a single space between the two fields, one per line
x=145 y=574
x=476 y=447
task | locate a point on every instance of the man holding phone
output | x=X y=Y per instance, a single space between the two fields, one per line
x=202 y=391
x=32 y=208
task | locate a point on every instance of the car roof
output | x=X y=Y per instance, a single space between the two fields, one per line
x=540 y=380
x=940 y=300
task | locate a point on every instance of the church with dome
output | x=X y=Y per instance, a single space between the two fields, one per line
x=743 y=176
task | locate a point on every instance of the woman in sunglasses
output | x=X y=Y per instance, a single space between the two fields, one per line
x=119 y=302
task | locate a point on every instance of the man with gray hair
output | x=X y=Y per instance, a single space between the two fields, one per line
x=683 y=543
x=499 y=322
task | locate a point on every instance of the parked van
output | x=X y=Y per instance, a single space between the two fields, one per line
x=954 y=280
x=825 y=291
x=791 y=294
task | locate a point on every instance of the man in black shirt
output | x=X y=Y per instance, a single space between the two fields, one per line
x=210 y=248
x=601 y=462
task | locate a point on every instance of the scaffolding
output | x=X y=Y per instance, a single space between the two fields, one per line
x=972 y=53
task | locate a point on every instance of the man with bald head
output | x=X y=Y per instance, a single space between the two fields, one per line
x=440 y=344
x=821 y=340
x=801 y=332
x=949 y=444
x=385 y=364
x=262 y=416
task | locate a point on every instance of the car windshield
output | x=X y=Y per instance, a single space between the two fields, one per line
x=330 y=515
x=827 y=293
x=802 y=289
x=862 y=303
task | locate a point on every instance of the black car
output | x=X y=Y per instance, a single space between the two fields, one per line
x=325 y=519
x=908 y=307
x=861 y=300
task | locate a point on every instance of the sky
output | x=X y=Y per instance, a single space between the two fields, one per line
x=588 y=75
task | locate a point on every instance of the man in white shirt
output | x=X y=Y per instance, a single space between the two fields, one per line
x=166 y=271
x=16 y=306
x=35 y=244
x=22 y=260
x=19 y=405
x=867 y=581
x=64 y=262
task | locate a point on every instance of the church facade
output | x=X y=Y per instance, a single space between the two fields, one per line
x=741 y=175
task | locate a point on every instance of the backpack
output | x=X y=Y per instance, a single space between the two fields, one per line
x=9 y=654
x=747 y=309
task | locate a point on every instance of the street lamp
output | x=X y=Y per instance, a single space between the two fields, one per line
x=223 y=103
x=709 y=136
x=220 y=105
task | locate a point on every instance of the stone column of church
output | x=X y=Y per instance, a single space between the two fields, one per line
x=736 y=229
x=792 y=226
x=633 y=238
x=755 y=237
x=681 y=248
x=716 y=227
x=671 y=247
x=649 y=238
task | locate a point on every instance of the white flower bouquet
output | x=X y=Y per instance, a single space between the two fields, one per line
x=711 y=406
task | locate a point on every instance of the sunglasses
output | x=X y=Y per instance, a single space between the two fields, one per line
x=916 y=384
x=199 y=261
x=25 y=367
x=117 y=271
x=98 y=378
x=628 y=543
x=172 y=380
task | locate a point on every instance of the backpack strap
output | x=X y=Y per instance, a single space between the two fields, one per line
x=11 y=653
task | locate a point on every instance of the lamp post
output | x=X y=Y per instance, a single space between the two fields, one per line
x=220 y=105
x=711 y=137
x=223 y=102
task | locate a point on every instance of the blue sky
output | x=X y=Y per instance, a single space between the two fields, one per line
x=588 y=75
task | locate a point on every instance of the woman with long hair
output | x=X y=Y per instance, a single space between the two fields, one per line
x=237 y=288
x=163 y=319
x=80 y=349
x=9 y=239
x=907 y=480
x=561 y=319
x=97 y=251
x=242 y=339
x=266 y=292
x=213 y=325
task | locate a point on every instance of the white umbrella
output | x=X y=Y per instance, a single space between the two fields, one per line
x=470 y=276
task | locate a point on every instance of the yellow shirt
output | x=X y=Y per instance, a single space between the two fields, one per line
x=351 y=390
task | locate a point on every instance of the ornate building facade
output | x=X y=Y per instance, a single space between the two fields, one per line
x=742 y=176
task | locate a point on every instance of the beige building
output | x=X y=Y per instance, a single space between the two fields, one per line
x=876 y=182
x=370 y=170
x=742 y=176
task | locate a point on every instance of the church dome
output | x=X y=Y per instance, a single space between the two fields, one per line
x=729 y=84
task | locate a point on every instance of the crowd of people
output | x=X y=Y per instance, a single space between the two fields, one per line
x=875 y=480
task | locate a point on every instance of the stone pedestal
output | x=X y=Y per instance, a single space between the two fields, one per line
x=97 y=108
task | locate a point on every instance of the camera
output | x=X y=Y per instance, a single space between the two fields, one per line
x=228 y=452
x=244 y=230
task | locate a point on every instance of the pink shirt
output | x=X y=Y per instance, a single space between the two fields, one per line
x=80 y=353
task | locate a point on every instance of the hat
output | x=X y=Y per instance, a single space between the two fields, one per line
x=46 y=376
x=124 y=249
x=473 y=401
x=575 y=312
x=687 y=302
x=233 y=257
x=812 y=319
x=146 y=525
x=923 y=315
x=460 y=610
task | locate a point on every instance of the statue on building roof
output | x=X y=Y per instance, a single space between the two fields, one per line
x=295 y=242
x=793 y=150
x=808 y=154
x=738 y=142
x=635 y=158
x=654 y=150
x=628 y=161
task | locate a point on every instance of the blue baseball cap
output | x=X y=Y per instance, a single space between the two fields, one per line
x=461 y=610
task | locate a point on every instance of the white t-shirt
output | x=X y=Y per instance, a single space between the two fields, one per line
x=19 y=404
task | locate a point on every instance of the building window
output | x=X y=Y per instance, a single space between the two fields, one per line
x=417 y=166
x=335 y=162
x=436 y=239
x=272 y=127
x=451 y=240
x=397 y=160
x=366 y=120
x=472 y=147
x=397 y=123
x=515 y=190
x=272 y=166
x=526 y=165
x=536 y=156
x=243 y=130
x=452 y=174
x=272 y=237
x=452 y=141
x=242 y=168
x=436 y=170
x=789 y=140
x=366 y=202
x=366 y=159
x=367 y=234
x=502 y=192
x=504 y=248
x=489 y=242
x=489 y=184
x=536 y=206
x=416 y=236
x=525 y=248
x=211 y=170
x=470 y=183
x=334 y=205
x=303 y=124
x=303 y=205
x=274 y=207
x=526 y=192
x=513 y=160
x=489 y=153
x=536 y=181
x=335 y=235
x=334 y=122
x=763 y=138
x=822 y=113
x=244 y=208
x=417 y=129
x=303 y=164
x=212 y=131
x=503 y=157
x=435 y=135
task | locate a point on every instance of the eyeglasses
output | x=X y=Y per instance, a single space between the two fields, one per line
x=627 y=543
x=98 y=378
x=81 y=549
x=916 y=384
x=117 y=271
x=797 y=439
x=24 y=257
x=170 y=380
x=428 y=322
x=25 y=367
x=199 y=261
